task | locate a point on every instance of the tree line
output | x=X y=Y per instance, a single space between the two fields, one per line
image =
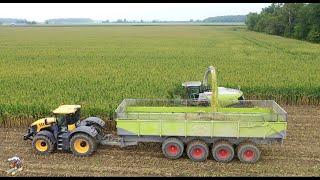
x=294 y=20
x=15 y=21
x=230 y=18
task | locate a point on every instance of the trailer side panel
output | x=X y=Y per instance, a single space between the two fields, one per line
x=191 y=128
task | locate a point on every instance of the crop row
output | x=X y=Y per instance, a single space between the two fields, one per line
x=97 y=67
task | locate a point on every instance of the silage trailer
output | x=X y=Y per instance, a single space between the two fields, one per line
x=199 y=132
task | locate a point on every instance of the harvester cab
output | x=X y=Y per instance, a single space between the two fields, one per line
x=201 y=92
x=65 y=131
x=193 y=89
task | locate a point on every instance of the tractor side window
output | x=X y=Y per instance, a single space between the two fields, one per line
x=73 y=118
x=77 y=116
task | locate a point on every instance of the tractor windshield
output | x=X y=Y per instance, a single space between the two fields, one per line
x=73 y=118
x=193 y=92
x=67 y=119
x=61 y=119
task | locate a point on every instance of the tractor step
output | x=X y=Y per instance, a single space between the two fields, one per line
x=60 y=143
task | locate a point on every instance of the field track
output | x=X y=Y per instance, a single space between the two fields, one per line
x=300 y=156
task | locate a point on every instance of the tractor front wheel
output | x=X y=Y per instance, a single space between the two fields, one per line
x=82 y=144
x=42 y=144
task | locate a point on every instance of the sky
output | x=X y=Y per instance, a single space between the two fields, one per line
x=130 y=11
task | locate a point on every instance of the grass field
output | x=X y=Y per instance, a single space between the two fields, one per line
x=97 y=67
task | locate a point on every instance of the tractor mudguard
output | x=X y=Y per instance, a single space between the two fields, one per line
x=85 y=129
x=47 y=134
x=92 y=120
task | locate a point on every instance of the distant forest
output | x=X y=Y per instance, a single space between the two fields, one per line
x=69 y=21
x=16 y=21
x=294 y=20
x=232 y=18
x=73 y=21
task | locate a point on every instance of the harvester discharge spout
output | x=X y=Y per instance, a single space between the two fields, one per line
x=214 y=98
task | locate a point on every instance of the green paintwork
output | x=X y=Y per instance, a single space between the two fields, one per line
x=228 y=99
x=162 y=109
x=255 y=118
x=229 y=122
x=205 y=128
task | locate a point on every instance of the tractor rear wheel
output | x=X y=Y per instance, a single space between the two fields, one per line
x=42 y=144
x=82 y=144
x=223 y=151
x=172 y=148
x=197 y=150
x=248 y=153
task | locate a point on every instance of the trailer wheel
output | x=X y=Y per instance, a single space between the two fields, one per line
x=82 y=144
x=223 y=151
x=172 y=148
x=42 y=144
x=197 y=150
x=248 y=153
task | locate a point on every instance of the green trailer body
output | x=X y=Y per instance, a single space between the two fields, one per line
x=262 y=119
x=212 y=128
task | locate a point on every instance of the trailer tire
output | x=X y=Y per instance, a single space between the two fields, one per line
x=172 y=148
x=42 y=144
x=222 y=151
x=82 y=144
x=197 y=150
x=248 y=153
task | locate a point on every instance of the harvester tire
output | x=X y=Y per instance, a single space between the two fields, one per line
x=197 y=150
x=172 y=148
x=222 y=151
x=248 y=153
x=42 y=144
x=82 y=145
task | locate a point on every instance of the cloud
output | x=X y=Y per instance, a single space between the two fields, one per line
x=130 y=11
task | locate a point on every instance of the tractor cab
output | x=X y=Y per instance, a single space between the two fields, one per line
x=67 y=116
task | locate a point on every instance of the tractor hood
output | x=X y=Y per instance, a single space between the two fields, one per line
x=43 y=123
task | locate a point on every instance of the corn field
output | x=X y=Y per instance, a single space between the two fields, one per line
x=97 y=67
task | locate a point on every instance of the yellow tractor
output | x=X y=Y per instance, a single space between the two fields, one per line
x=66 y=132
